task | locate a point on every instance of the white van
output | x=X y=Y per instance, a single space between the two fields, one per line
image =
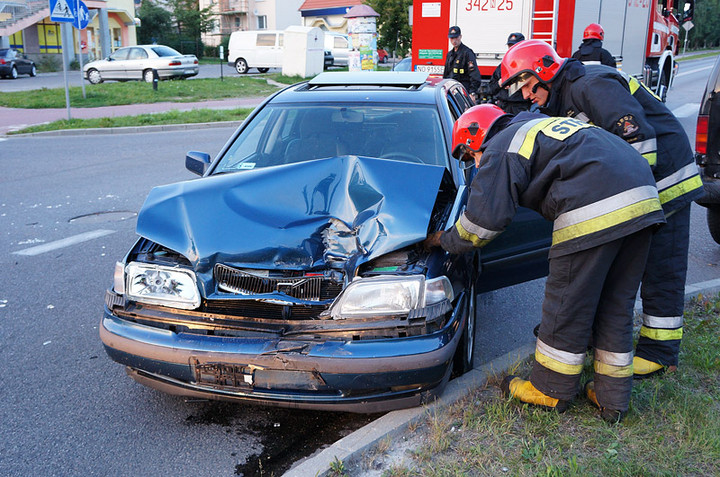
x=261 y=49
x=339 y=46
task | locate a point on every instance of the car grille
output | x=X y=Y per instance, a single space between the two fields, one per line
x=311 y=288
x=257 y=309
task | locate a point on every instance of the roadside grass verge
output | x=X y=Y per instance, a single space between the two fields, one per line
x=134 y=92
x=169 y=117
x=698 y=55
x=673 y=427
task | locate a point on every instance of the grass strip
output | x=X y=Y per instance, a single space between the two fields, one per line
x=134 y=92
x=168 y=117
x=673 y=427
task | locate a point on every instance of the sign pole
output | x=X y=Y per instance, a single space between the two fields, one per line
x=63 y=28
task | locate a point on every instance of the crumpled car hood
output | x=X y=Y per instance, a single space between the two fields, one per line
x=336 y=212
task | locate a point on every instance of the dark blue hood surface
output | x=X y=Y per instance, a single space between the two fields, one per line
x=337 y=212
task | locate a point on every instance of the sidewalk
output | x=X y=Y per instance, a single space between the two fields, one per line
x=16 y=118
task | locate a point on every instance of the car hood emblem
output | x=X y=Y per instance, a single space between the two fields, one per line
x=336 y=212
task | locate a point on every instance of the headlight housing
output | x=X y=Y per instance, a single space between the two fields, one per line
x=161 y=285
x=389 y=295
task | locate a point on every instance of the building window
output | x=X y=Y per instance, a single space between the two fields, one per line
x=262 y=22
x=237 y=23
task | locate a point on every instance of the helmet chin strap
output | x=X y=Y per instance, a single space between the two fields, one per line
x=540 y=85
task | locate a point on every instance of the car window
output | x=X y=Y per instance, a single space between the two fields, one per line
x=265 y=39
x=161 y=50
x=284 y=134
x=120 y=54
x=137 y=54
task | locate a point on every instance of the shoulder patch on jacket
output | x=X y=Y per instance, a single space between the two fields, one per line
x=628 y=125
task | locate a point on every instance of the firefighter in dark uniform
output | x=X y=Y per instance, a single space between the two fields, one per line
x=461 y=64
x=515 y=103
x=620 y=104
x=591 y=51
x=600 y=240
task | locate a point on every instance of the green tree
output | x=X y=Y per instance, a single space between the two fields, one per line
x=394 y=31
x=706 y=21
x=155 y=21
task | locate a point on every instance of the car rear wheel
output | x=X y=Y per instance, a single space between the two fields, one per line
x=13 y=73
x=148 y=76
x=241 y=66
x=713 y=220
x=33 y=71
x=263 y=70
x=465 y=354
x=94 y=77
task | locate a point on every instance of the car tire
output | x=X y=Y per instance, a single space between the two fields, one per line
x=13 y=73
x=383 y=60
x=33 y=71
x=93 y=76
x=662 y=88
x=241 y=66
x=464 y=359
x=713 y=220
x=148 y=76
x=263 y=70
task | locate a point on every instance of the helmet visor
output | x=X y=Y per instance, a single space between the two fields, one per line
x=520 y=81
x=463 y=154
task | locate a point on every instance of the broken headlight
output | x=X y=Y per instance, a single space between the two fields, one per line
x=159 y=285
x=389 y=295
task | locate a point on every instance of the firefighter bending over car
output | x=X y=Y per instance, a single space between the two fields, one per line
x=623 y=106
x=591 y=51
x=601 y=236
x=461 y=64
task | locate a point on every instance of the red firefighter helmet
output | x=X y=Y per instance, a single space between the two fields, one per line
x=470 y=128
x=526 y=59
x=594 y=30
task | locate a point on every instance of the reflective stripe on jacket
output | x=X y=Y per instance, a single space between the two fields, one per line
x=593 y=186
x=622 y=105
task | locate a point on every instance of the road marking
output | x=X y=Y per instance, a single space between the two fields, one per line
x=686 y=110
x=66 y=242
x=693 y=71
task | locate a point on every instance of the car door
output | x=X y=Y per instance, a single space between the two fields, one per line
x=114 y=68
x=136 y=63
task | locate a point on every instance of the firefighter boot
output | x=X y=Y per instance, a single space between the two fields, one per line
x=642 y=368
x=609 y=415
x=524 y=391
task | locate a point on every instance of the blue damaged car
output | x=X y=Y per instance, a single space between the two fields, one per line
x=292 y=272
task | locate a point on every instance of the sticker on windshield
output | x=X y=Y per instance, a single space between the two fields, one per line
x=247 y=165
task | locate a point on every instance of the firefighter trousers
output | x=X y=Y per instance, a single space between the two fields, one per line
x=589 y=298
x=663 y=291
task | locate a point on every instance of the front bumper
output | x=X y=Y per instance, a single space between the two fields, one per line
x=340 y=375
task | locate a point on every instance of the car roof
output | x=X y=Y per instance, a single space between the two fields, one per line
x=373 y=86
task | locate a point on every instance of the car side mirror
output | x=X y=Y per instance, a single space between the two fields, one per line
x=197 y=162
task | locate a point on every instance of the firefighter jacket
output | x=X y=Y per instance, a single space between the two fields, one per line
x=591 y=52
x=594 y=187
x=512 y=104
x=622 y=105
x=461 y=65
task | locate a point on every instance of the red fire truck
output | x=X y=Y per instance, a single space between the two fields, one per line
x=641 y=34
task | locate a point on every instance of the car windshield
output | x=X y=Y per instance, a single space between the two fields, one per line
x=165 y=51
x=289 y=133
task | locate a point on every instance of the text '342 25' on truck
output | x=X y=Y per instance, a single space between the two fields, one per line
x=641 y=34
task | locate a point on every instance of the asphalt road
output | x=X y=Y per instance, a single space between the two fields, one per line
x=67 y=409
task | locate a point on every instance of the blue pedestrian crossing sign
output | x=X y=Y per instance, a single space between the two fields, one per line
x=62 y=11
x=82 y=16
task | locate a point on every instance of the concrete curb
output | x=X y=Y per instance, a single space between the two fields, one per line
x=395 y=423
x=132 y=129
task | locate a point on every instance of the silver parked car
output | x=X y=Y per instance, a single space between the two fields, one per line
x=138 y=63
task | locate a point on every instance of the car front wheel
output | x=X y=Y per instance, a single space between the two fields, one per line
x=241 y=66
x=13 y=73
x=33 y=71
x=465 y=354
x=94 y=76
x=713 y=220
